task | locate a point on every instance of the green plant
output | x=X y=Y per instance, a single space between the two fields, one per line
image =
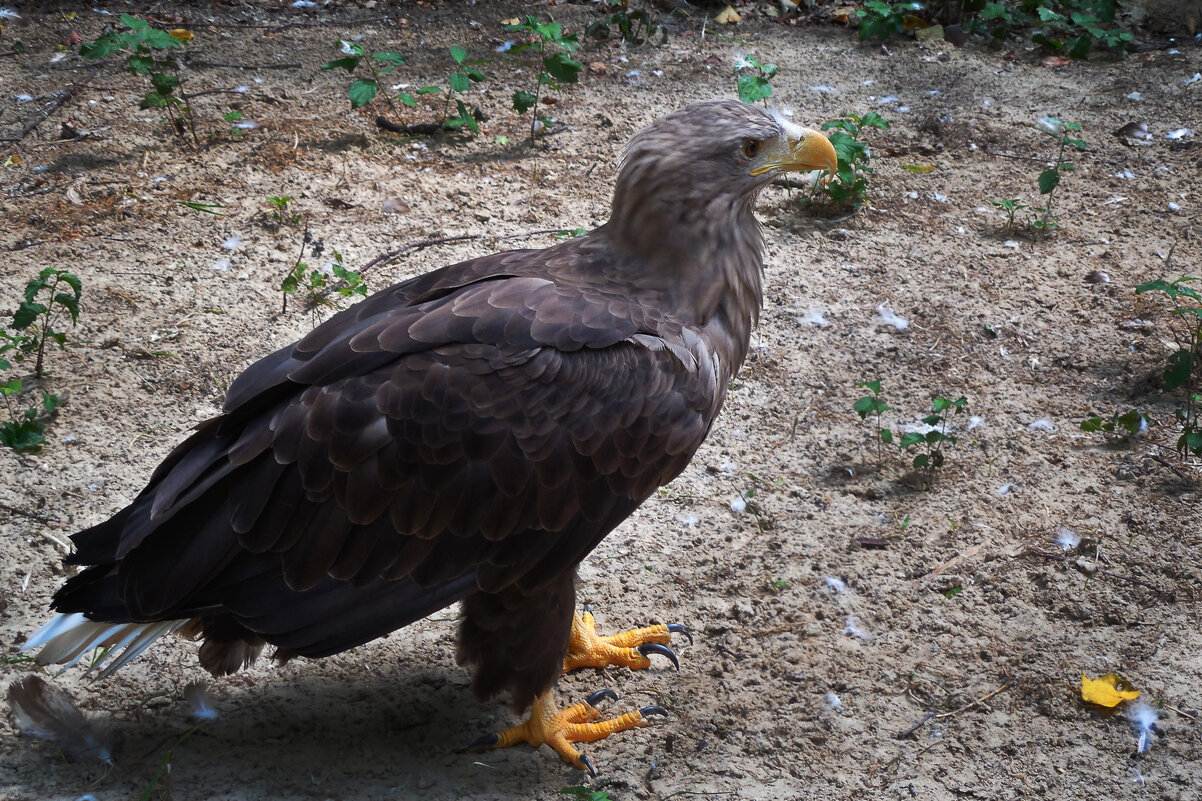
x=934 y=440
x=1132 y=422
x=1049 y=179
x=316 y=284
x=280 y=211
x=149 y=55
x=558 y=68
x=24 y=431
x=634 y=27
x=754 y=78
x=1011 y=207
x=1181 y=369
x=850 y=181
x=1077 y=25
x=874 y=405
x=459 y=81
x=363 y=90
x=54 y=290
x=880 y=20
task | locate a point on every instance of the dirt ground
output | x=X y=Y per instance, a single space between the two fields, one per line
x=857 y=637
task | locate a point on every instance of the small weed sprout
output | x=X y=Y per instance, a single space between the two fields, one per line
x=53 y=291
x=874 y=405
x=1181 y=370
x=316 y=284
x=1128 y=424
x=281 y=212
x=24 y=430
x=1049 y=179
x=558 y=68
x=363 y=90
x=754 y=79
x=1011 y=206
x=586 y=793
x=634 y=27
x=458 y=82
x=149 y=56
x=932 y=458
x=850 y=182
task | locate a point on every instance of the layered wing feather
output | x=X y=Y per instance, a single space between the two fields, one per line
x=477 y=429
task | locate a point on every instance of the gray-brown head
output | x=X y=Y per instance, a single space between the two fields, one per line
x=685 y=194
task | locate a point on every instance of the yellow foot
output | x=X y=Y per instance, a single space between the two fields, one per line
x=559 y=729
x=624 y=649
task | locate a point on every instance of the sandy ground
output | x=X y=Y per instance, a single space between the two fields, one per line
x=793 y=688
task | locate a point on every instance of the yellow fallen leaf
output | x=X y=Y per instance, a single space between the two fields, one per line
x=513 y=21
x=919 y=169
x=727 y=16
x=1109 y=690
x=183 y=34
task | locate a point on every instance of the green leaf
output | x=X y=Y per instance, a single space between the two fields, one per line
x=864 y=406
x=361 y=92
x=50 y=402
x=26 y=314
x=474 y=74
x=459 y=82
x=164 y=83
x=910 y=440
x=389 y=58
x=142 y=65
x=103 y=47
x=1048 y=180
x=1176 y=374
x=873 y=386
x=886 y=436
x=562 y=67
x=921 y=461
x=212 y=208
x=406 y=98
x=524 y=101
x=458 y=53
x=429 y=90
x=1048 y=15
x=133 y=23
x=232 y=116
x=22 y=436
x=874 y=120
x=1092 y=424
x=349 y=63
x=159 y=40
x=754 y=88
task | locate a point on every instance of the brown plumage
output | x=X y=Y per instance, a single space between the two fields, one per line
x=468 y=435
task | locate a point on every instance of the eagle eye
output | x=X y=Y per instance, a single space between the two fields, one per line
x=751 y=147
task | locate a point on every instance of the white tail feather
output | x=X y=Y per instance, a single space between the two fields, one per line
x=67 y=637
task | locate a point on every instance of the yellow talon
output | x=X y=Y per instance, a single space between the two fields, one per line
x=576 y=724
x=588 y=649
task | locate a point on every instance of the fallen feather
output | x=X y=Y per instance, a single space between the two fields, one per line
x=1068 y=539
x=739 y=504
x=853 y=629
x=200 y=704
x=835 y=585
x=1144 y=716
x=232 y=243
x=1197 y=76
x=815 y=316
x=1179 y=133
x=885 y=316
x=833 y=702
x=1042 y=424
x=43 y=711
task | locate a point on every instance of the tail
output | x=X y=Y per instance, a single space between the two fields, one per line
x=67 y=637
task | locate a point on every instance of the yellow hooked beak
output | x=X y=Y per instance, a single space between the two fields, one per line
x=798 y=149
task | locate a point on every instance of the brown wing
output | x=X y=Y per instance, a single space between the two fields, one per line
x=430 y=443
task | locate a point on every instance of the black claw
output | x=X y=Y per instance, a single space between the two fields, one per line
x=480 y=742
x=680 y=628
x=591 y=770
x=597 y=696
x=648 y=648
x=653 y=710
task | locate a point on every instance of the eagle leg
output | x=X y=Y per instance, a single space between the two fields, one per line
x=558 y=729
x=625 y=649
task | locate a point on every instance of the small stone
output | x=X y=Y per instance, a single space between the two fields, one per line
x=598 y=68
